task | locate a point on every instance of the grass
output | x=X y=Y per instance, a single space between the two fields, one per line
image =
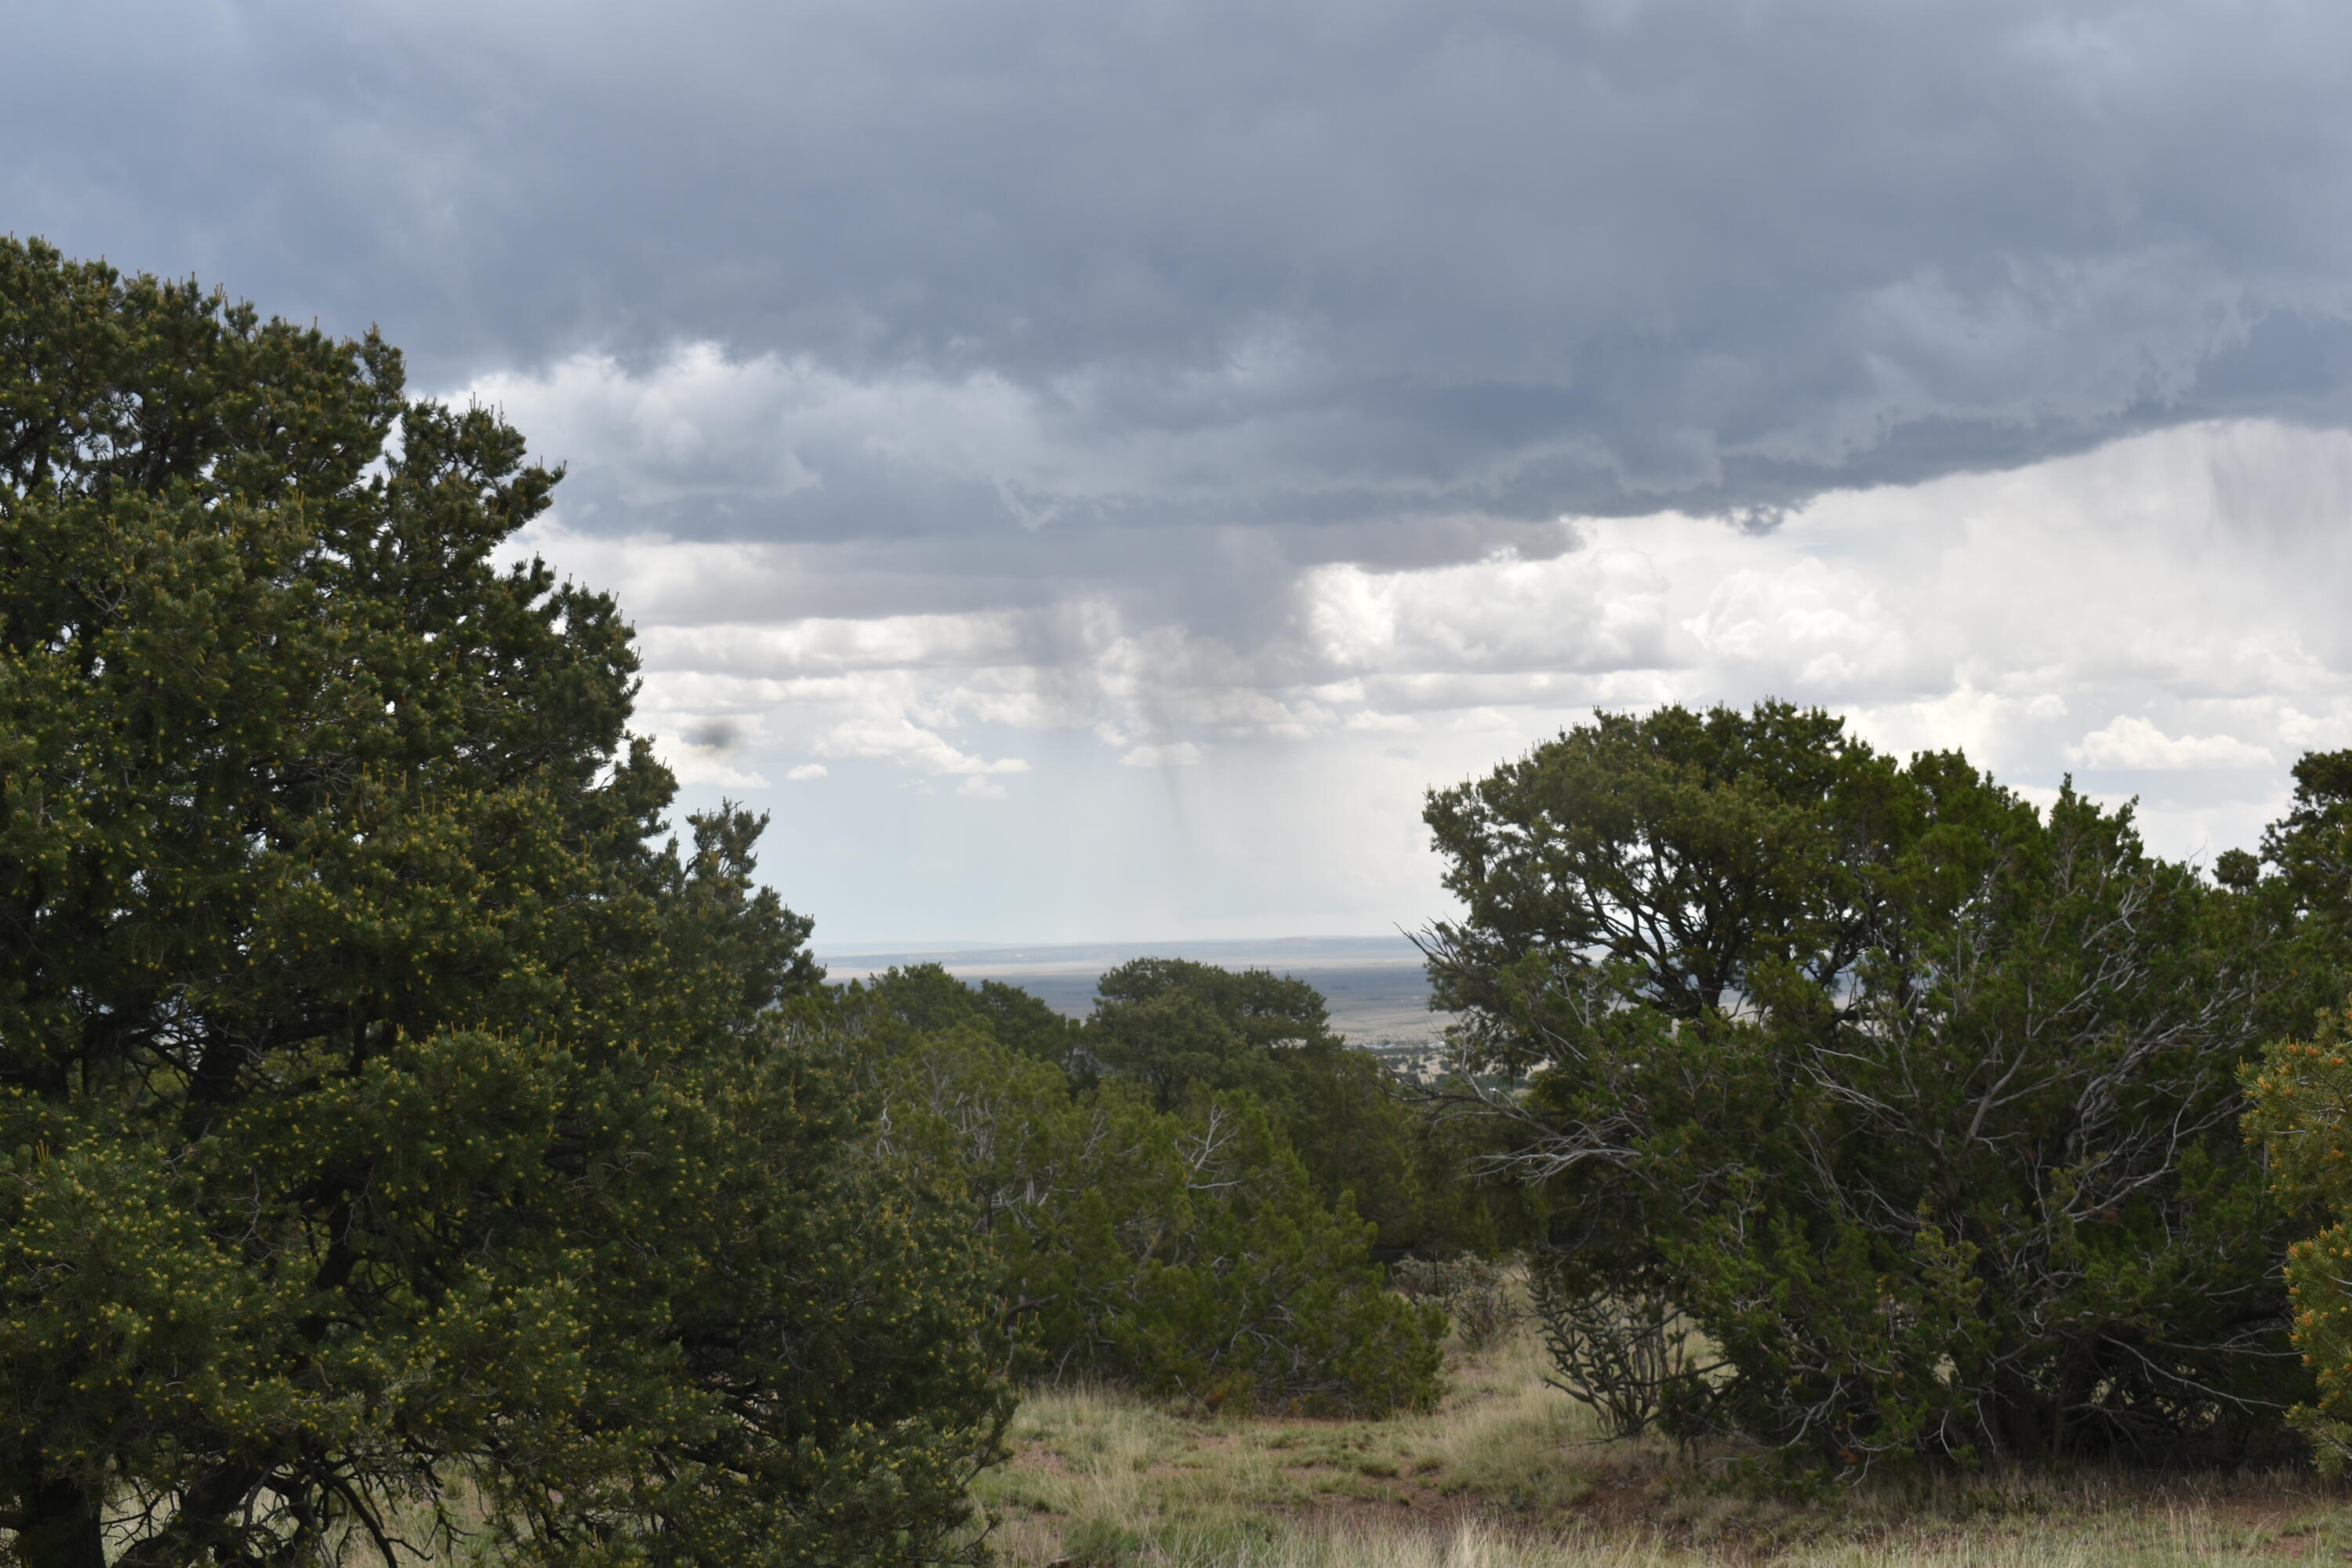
x=1509 y=1473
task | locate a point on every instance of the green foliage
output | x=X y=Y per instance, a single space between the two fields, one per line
x=2302 y=1095
x=388 y=1118
x=2311 y=846
x=1921 y=1103
x=1177 y=1028
x=2295 y=901
x=1627 y=1353
x=1181 y=1031
x=928 y=999
x=1183 y=1251
x=2302 y=1089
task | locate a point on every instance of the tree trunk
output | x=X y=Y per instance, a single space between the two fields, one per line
x=2025 y=1414
x=203 y=1524
x=60 y=1528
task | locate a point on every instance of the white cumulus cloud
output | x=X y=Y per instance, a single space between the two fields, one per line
x=2129 y=741
x=896 y=740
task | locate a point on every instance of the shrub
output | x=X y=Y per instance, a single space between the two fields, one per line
x=1179 y=1030
x=2301 y=1091
x=1183 y=1252
x=2302 y=1116
x=1626 y=1352
x=1474 y=1292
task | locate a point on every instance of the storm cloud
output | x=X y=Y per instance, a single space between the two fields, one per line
x=1184 y=404
x=1265 y=262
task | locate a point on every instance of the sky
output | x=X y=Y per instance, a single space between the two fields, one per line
x=1087 y=470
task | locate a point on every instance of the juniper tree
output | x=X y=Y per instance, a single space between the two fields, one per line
x=387 y=1116
x=1921 y=1101
x=1183 y=1251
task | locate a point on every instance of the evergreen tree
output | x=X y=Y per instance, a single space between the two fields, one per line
x=1183 y=1251
x=1920 y=1101
x=1178 y=1031
x=395 y=1132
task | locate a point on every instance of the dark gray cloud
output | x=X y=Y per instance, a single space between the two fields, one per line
x=1089 y=466
x=1041 y=264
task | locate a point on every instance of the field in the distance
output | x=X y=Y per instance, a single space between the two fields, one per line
x=1375 y=986
x=1508 y=1473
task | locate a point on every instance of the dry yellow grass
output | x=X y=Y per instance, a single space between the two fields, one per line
x=1508 y=1473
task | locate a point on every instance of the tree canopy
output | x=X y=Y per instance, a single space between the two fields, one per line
x=1183 y=1248
x=1181 y=1031
x=1920 y=1100
x=2301 y=1089
x=396 y=1130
